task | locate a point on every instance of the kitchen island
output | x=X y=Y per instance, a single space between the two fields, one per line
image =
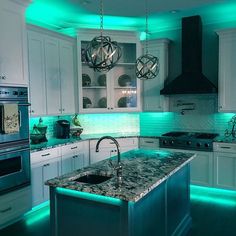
x=153 y=198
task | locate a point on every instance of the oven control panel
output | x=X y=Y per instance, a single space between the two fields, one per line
x=13 y=93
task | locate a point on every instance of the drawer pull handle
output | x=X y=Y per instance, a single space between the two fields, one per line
x=149 y=141
x=44 y=155
x=45 y=165
x=226 y=147
x=6 y=210
x=73 y=147
x=112 y=143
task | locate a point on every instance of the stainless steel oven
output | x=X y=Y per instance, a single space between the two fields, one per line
x=19 y=97
x=14 y=139
x=14 y=166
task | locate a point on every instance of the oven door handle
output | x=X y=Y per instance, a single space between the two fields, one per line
x=13 y=151
x=24 y=104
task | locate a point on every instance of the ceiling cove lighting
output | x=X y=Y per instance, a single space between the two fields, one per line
x=147 y=65
x=102 y=53
x=222 y=197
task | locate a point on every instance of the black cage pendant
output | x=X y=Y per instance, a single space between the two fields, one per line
x=102 y=54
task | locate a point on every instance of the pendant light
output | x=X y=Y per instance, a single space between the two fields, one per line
x=102 y=53
x=147 y=65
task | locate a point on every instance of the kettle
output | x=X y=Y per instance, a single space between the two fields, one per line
x=62 y=129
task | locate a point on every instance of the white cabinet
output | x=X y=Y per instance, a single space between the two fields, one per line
x=148 y=143
x=51 y=73
x=117 y=90
x=107 y=148
x=152 y=100
x=225 y=165
x=13 y=50
x=13 y=205
x=44 y=166
x=37 y=73
x=74 y=156
x=227 y=70
x=201 y=167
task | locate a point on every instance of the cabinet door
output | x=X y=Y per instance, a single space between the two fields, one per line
x=227 y=71
x=37 y=184
x=78 y=161
x=225 y=170
x=201 y=169
x=12 y=45
x=152 y=100
x=67 y=75
x=66 y=165
x=36 y=73
x=49 y=170
x=52 y=75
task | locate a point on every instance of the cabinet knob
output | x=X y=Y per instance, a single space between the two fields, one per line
x=59 y=109
x=112 y=108
x=3 y=77
x=32 y=111
x=63 y=109
x=220 y=107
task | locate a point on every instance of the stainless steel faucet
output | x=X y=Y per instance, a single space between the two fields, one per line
x=117 y=167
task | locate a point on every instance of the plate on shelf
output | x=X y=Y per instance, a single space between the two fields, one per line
x=86 y=81
x=87 y=102
x=102 y=103
x=102 y=80
x=124 y=102
x=124 y=80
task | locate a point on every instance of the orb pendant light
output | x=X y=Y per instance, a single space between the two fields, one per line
x=147 y=65
x=102 y=53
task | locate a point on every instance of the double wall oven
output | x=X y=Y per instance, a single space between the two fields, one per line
x=14 y=139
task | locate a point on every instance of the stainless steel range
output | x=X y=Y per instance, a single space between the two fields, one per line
x=187 y=140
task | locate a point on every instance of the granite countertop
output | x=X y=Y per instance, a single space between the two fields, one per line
x=143 y=170
x=55 y=142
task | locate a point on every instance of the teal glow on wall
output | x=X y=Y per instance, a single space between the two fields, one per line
x=95 y=123
x=152 y=123
x=213 y=195
x=89 y=196
x=37 y=214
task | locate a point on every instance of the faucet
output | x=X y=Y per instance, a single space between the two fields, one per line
x=118 y=167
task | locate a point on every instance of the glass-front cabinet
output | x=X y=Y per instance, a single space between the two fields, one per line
x=117 y=90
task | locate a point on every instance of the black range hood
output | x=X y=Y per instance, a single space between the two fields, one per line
x=192 y=80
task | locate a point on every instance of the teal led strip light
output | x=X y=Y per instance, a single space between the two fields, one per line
x=213 y=195
x=89 y=196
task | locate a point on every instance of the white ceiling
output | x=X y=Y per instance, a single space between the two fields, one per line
x=137 y=7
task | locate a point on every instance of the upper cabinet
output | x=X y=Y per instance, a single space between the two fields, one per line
x=51 y=73
x=227 y=70
x=13 y=49
x=117 y=90
x=152 y=100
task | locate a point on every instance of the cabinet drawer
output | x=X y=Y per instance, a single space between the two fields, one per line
x=224 y=147
x=123 y=142
x=44 y=155
x=149 y=142
x=72 y=148
x=14 y=204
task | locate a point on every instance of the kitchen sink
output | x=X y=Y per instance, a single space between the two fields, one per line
x=93 y=179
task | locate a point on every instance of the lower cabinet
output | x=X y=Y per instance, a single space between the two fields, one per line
x=74 y=156
x=225 y=165
x=107 y=148
x=44 y=166
x=13 y=205
x=201 y=167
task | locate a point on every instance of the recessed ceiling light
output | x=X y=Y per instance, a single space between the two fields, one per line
x=174 y=11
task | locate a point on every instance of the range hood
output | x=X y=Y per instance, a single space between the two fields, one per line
x=192 y=80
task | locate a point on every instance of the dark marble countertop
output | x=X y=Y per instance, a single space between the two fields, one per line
x=54 y=142
x=143 y=170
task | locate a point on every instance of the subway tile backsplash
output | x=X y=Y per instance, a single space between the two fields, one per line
x=148 y=123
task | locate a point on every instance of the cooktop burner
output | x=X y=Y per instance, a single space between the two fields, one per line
x=188 y=140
